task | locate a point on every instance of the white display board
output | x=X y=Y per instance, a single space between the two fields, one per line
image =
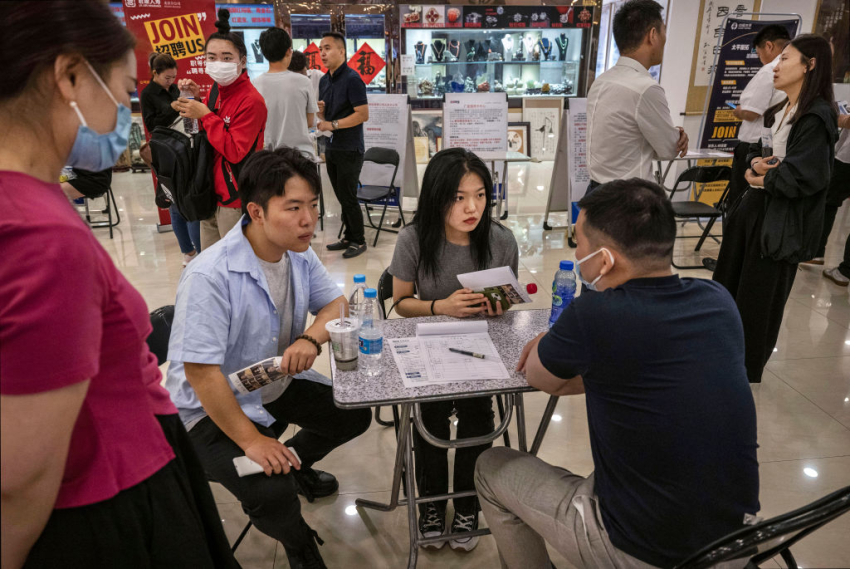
x=712 y=19
x=389 y=126
x=570 y=173
x=476 y=121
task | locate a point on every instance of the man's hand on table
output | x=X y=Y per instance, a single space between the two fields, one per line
x=523 y=358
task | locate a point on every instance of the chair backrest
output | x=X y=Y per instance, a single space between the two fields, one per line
x=380 y=157
x=766 y=539
x=701 y=175
x=385 y=290
x=161 y=320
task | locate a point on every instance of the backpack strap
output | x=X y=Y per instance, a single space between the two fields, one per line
x=213 y=97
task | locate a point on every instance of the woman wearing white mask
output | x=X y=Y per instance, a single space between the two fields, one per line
x=234 y=126
x=95 y=463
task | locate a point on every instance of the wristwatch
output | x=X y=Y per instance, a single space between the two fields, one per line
x=335 y=124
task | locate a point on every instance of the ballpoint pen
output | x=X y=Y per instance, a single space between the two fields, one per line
x=465 y=353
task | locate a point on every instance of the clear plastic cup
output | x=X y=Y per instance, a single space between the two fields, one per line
x=345 y=342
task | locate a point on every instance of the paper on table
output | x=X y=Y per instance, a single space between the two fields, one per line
x=444 y=366
x=407 y=357
x=499 y=285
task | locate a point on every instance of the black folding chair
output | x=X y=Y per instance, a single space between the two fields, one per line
x=766 y=540
x=694 y=210
x=111 y=206
x=370 y=195
x=161 y=320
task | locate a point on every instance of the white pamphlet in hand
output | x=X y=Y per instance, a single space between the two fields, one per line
x=246 y=467
x=498 y=285
x=257 y=375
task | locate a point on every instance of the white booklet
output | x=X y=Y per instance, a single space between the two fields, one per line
x=498 y=285
x=427 y=359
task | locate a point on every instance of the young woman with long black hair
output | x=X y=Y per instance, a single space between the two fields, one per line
x=778 y=221
x=452 y=233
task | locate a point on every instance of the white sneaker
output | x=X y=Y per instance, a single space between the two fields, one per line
x=835 y=276
x=187 y=258
x=461 y=523
x=431 y=524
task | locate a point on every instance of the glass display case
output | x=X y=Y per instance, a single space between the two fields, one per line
x=519 y=50
x=307 y=30
x=365 y=36
x=249 y=21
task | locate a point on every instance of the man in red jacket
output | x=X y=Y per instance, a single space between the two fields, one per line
x=234 y=128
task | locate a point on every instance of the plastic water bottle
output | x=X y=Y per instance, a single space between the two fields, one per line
x=563 y=290
x=357 y=298
x=190 y=126
x=371 y=335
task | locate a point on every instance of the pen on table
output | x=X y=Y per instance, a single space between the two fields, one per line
x=465 y=353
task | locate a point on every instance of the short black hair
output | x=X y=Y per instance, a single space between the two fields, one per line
x=336 y=35
x=274 y=43
x=298 y=63
x=636 y=215
x=265 y=174
x=633 y=21
x=772 y=33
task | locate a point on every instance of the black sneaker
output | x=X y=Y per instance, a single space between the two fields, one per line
x=460 y=524
x=314 y=484
x=306 y=555
x=340 y=245
x=431 y=524
x=709 y=263
x=354 y=250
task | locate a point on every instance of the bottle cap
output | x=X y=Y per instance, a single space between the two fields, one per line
x=359 y=278
x=566 y=265
x=531 y=288
x=370 y=293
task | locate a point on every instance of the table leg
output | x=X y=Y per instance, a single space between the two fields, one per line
x=412 y=525
x=400 y=457
x=520 y=422
x=544 y=424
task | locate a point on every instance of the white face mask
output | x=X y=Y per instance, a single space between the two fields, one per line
x=223 y=72
x=592 y=284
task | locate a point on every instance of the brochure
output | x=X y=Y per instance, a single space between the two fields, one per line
x=498 y=285
x=257 y=375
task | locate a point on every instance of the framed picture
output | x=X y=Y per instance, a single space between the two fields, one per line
x=518 y=137
x=429 y=124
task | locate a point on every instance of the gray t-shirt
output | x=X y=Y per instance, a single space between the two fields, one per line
x=289 y=97
x=453 y=260
x=278 y=279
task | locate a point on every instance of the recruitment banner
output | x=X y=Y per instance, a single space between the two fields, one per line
x=737 y=63
x=176 y=27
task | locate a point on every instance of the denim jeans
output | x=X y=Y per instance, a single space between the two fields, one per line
x=188 y=233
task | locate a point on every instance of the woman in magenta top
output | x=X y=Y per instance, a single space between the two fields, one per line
x=95 y=472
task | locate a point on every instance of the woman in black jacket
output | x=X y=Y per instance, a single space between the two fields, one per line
x=778 y=221
x=156 y=102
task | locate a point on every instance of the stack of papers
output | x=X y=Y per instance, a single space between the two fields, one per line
x=426 y=359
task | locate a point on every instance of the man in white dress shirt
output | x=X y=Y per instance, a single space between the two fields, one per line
x=629 y=123
x=758 y=96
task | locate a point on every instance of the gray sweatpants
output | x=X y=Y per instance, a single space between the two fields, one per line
x=528 y=502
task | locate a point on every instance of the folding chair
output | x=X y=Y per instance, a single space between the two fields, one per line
x=370 y=195
x=762 y=542
x=110 y=206
x=694 y=210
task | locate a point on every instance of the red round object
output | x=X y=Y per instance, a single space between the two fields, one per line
x=531 y=288
x=453 y=15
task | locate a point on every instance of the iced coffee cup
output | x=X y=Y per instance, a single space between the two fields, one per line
x=345 y=342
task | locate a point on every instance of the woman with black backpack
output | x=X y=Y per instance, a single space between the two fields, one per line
x=234 y=127
x=778 y=220
x=156 y=102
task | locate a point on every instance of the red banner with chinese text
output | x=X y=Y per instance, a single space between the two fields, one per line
x=314 y=60
x=367 y=63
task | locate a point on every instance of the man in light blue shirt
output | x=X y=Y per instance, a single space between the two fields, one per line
x=245 y=300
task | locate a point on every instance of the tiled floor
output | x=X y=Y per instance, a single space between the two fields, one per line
x=803 y=404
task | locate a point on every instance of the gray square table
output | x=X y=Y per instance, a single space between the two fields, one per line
x=352 y=390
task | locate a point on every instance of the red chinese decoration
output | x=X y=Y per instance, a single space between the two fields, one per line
x=367 y=63
x=314 y=60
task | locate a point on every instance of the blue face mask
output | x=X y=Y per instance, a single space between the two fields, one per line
x=591 y=285
x=95 y=152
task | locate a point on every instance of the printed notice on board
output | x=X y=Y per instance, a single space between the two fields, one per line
x=476 y=121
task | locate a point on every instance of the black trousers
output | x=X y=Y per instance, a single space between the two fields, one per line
x=839 y=190
x=759 y=285
x=344 y=171
x=271 y=502
x=474 y=418
x=738 y=184
x=169 y=520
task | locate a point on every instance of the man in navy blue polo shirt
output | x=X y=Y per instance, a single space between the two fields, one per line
x=343 y=108
x=670 y=413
